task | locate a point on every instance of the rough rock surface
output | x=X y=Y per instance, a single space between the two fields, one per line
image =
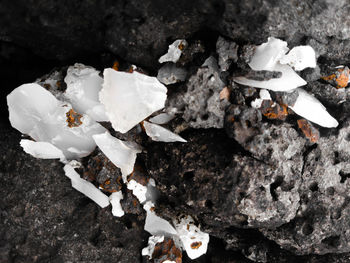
x=261 y=190
x=203 y=107
x=43 y=219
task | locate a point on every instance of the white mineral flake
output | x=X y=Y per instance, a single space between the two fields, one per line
x=268 y=54
x=308 y=107
x=174 y=52
x=129 y=98
x=42 y=150
x=28 y=104
x=83 y=86
x=256 y=103
x=156 y=225
x=86 y=187
x=264 y=95
x=300 y=57
x=114 y=199
x=162 y=118
x=287 y=82
x=152 y=241
x=122 y=154
x=152 y=192
x=36 y=112
x=194 y=241
x=138 y=190
x=160 y=134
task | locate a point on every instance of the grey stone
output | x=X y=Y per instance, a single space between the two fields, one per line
x=227 y=52
x=170 y=74
x=203 y=106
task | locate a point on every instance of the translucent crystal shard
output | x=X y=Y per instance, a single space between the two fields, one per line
x=129 y=98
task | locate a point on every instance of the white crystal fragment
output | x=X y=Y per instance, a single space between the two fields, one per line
x=264 y=95
x=256 y=103
x=310 y=108
x=300 y=57
x=174 y=52
x=152 y=241
x=83 y=86
x=160 y=134
x=36 y=112
x=42 y=150
x=86 y=187
x=162 y=118
x=268 y=54
x=287 y=82
x=129 y=98
x=267 y=57
x=28 y=104
x=114 y=199
x=194 y=241
x=138 y=190
x=156 y=225
x=121 y=154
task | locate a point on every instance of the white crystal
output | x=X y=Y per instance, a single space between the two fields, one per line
x=287 y=82
x=174 y=52
x=138 y=190
x=86 y=187
x=121 y=154
x=36 y=112
x=129 y=98
x=156 y=225
x=189 y=233
x=83 y=86
x=268 y=54
x=114 y=199
x=310 y=108
x=162 y=118
x=267 y=57
x=152 y=241
x=300 y=57
x=43 y=150
x=28 y=104
x=264 y=95
x=160 y=134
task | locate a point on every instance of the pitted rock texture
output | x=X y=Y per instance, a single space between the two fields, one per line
x=203 y=107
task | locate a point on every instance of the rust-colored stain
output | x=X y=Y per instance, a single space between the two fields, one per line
x=139 y=174
x=309 y=131
x=116 y=65
x=167 y=250
x=340 y=78
x=273 y=110
x=95 y=166
x=131 y=69
x=225 y=94
x=196 y=245
x=73 y=118
x=181 y=46
x=47 y=86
